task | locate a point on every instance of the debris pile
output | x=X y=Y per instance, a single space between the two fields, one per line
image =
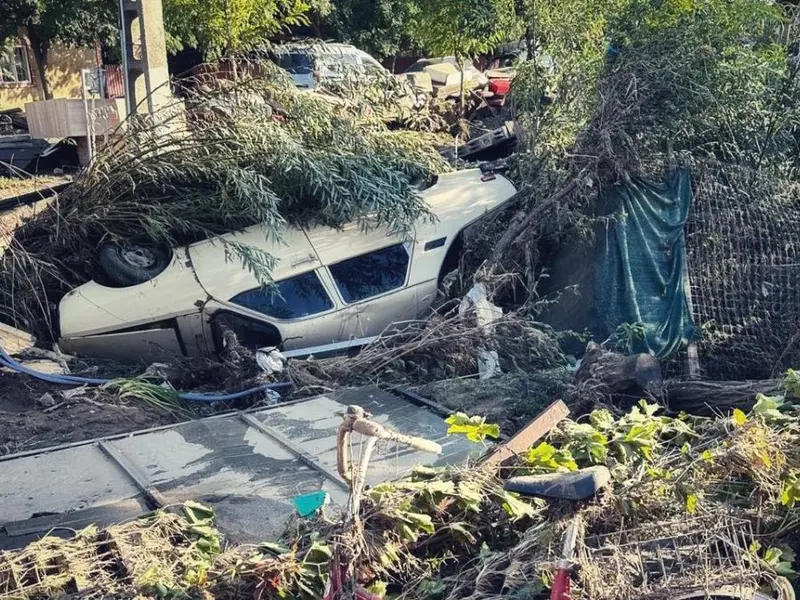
x=692 y=504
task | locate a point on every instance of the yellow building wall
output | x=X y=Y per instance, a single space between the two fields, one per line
x=63 y=74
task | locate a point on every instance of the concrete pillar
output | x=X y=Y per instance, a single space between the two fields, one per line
x=144 y=44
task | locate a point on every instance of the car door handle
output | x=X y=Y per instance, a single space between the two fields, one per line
x=309 y=259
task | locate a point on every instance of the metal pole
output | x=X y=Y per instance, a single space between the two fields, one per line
x=86 y=114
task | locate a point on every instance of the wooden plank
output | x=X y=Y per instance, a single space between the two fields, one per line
x=528 y=435
x=14 y=340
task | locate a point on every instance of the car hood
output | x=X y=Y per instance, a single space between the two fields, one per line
x=457 y=199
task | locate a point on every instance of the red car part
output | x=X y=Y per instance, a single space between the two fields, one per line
x=500 y=87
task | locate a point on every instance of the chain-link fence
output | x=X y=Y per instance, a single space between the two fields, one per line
x=743 y=244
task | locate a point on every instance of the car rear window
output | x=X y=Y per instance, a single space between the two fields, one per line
x=292 y=298
x=371 y=274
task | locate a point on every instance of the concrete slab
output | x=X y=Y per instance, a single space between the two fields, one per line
x=60 y=482
x=248 y=466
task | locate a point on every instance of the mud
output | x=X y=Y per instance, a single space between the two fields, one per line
x=25 y=424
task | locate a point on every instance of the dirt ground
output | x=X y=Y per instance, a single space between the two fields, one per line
x=14 y=186
x=510 y=400
x=26 y=424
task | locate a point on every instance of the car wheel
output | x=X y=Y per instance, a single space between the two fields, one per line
x=130 y=264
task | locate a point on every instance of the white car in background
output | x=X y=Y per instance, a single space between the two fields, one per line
x=313 y=63
x=441 y=77
x=336 y=288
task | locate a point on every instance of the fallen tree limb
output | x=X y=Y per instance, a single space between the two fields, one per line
x=635 y=376
x=710 y=397
x=520 y=223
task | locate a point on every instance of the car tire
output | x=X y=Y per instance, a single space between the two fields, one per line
x=130 y=264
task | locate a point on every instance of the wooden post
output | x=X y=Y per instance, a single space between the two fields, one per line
x=528 y=435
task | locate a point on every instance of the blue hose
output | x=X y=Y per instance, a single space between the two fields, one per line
x=7 y=361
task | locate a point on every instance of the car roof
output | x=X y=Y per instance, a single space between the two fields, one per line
x=317 y=47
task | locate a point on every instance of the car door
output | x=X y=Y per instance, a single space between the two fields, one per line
x=370 y=274
x=299 y=310
x=296 y=312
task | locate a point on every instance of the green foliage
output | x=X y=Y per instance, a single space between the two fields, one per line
x=790 y=494
x=460 y=28
x=639 y=435
x=587 y=443
x=627 y=336
x=768 y=409
x=380 y=27
x=792 y=383
x=159 y=396
x=781 y=560
x=691 y=503
x=160 y=581
x=476 y=429
x=634 y=78
x=515 y=508
x=70 y=22
x=546 y=458
x=222 y=27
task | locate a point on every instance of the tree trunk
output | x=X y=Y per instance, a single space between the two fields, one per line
x=710 y=397
x=40 y=50
x=612 y=374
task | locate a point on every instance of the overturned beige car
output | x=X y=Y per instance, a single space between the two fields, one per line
x=336 y=289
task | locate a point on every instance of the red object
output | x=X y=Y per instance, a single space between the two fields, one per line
x=501 y=87
x=561 y=584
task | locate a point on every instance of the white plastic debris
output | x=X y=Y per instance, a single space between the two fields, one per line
x=270 y=360
x=486 y=313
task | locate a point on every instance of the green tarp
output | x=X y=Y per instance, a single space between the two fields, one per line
x=640 y=279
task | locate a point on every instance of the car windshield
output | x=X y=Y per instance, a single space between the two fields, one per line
x=294 y=62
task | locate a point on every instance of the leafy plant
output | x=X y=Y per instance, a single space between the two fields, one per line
x=768 y=409
x=792 y=383
x=790 y=493
x=586 y=443
x=627 y=336
x=476 y=429
x=159 y=396
x=223 y=27
x=546 y=458
x=781 y=560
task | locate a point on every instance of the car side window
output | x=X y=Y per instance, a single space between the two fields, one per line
x=371 y=274
x=299 y=296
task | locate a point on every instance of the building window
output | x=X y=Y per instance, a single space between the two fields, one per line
x=14 y=66
x=294 y=298
x=372 y=274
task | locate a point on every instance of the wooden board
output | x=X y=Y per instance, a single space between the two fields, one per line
x=528 y=435
x=14 y=340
